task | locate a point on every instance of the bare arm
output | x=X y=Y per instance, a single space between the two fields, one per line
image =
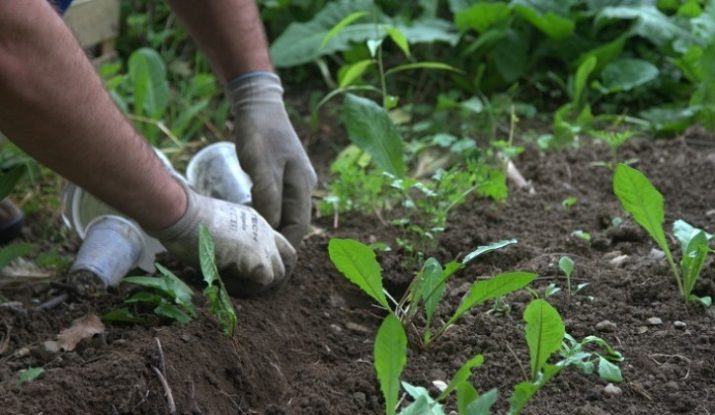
x=229 y=32
x=55 y=107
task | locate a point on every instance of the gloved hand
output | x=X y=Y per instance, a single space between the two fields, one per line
x=270 y=152
x=250 y=255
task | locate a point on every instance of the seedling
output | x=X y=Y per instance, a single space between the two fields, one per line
x=645 y=203
x=215 y=291
x=614 y=140
x=569 y=202
x=566 y=264
x=582 y=235
x=357 y=263
x=170 y=297
x=30 y=374
x=575 y=354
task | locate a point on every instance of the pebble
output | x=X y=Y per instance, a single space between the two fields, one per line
x=336 y=328
x=360 y=398
x=612 y=390
x=654 y=321
x=656 y=254
x=185 y=337
x=22 y=352
x=337 y=301
x=51 y=346
x=679 y=325
x=619 y=260
x=642 y=329
x=606 y=326
x=357 y=328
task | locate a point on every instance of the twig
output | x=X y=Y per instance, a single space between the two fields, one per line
x=518 y=362
x=162 y=378
x=167 y=390
x=51 y=303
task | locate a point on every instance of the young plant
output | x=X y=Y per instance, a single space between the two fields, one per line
x=215 y=291
x=642 y=200
x=695 y=247
x=566 y=264
x=30 y=374
x=614 y=140
x=574 y=353
x=357 y=263
x=170 y=297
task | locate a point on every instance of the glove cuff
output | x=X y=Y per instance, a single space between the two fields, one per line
x=186 y=224
x=237 y=81
x=254 y=88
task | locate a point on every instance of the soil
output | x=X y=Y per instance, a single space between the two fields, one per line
x=306 y=348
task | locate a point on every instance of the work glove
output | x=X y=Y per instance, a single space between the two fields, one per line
x=271 y=153
x=250 y=255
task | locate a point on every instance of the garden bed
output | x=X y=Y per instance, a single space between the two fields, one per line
x=307 y=347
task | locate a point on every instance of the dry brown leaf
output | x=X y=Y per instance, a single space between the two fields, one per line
x=82 y=328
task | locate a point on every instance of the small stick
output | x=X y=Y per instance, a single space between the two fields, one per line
x=167 y=391
x=518 y=362
x=161 y=356
x=51 y=303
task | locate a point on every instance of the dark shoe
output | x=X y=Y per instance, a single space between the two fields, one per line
x=11 y=221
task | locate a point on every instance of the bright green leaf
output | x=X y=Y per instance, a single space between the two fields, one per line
x=370 y=128
x=483 y=404
x=30 y=374
x=356 y=261
x=353 y=72
x=466 y=394
x=172 y=312
x=545 y=331
x=486 y=249
x=462 y=375
x=494 y=287
x=482 y=16
x=151 y=89
x=693 y=261
x=432 y=288
x=400 y=40
x=341 y=25
x=390 y=357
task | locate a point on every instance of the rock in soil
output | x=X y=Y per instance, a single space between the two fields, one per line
x=654 y=321
x=606 y=326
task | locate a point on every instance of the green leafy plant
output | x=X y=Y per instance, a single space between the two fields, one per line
x=566 y=264
x=569 y=202
x=30 y=374
x=358 y=264
x=645 y=203
x=574 y=353
x=170 y=297
x=215 y=291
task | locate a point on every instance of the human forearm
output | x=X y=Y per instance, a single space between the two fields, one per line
x=229 y=32
x=54 y=106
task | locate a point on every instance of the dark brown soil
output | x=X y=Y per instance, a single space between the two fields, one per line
x=307 y=348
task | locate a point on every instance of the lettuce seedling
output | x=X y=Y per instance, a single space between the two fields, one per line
x=694 y=244
x=566 y=264
x=357 y=262
x=645 y=203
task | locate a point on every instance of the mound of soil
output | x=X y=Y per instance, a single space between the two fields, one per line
x=306 y=348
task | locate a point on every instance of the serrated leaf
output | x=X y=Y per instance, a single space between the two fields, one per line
x=494 y=287
x=487 y=248
x=390 y=357
x=370 y=128
x=462 y=375
x=545 y=331
x=356 y=261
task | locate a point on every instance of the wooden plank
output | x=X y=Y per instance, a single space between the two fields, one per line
x=93 y=21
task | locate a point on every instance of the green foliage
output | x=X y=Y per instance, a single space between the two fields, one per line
x=30 y=374
x=11 y=252
x=10 y=179
x=390 y=357
x=566 y=265
x=215 y=290
x=170 y=297
x=575 y=354
x=370 y=128
x=544 y=332
x=358 y=264
x=695 y=247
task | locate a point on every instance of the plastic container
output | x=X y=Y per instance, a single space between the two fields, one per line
x=215 y=171
x=112 y=246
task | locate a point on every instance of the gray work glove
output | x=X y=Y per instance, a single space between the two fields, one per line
x=271 y=153
x=250 y=255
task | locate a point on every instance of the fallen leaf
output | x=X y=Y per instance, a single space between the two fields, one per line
x=82 y=328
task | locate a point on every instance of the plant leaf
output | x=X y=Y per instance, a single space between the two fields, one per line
x=466 y=394
x=122 y=315
x=432 y=289
x=370 y=128
x=423 y=403
x=497 y=286
x=172 y=312
x=544 y=333
x=566 y=265
x=221 y=305
x=353 y=72
x=341 y=25
x=462 y=375
x=487 y=248
x=207 y=256
x=390 y=357
x=551 y=24
x=483 y=404
x=151 y=89
x=481 y=16
x=356 y=261
x=30 y=374
x=14 y=251
x=693 y=260
x=524 y=391
x=400 y=40
x=627 y=73
x=9 y=179
x=685 y=232
x=608 y=371
x=177 y=289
